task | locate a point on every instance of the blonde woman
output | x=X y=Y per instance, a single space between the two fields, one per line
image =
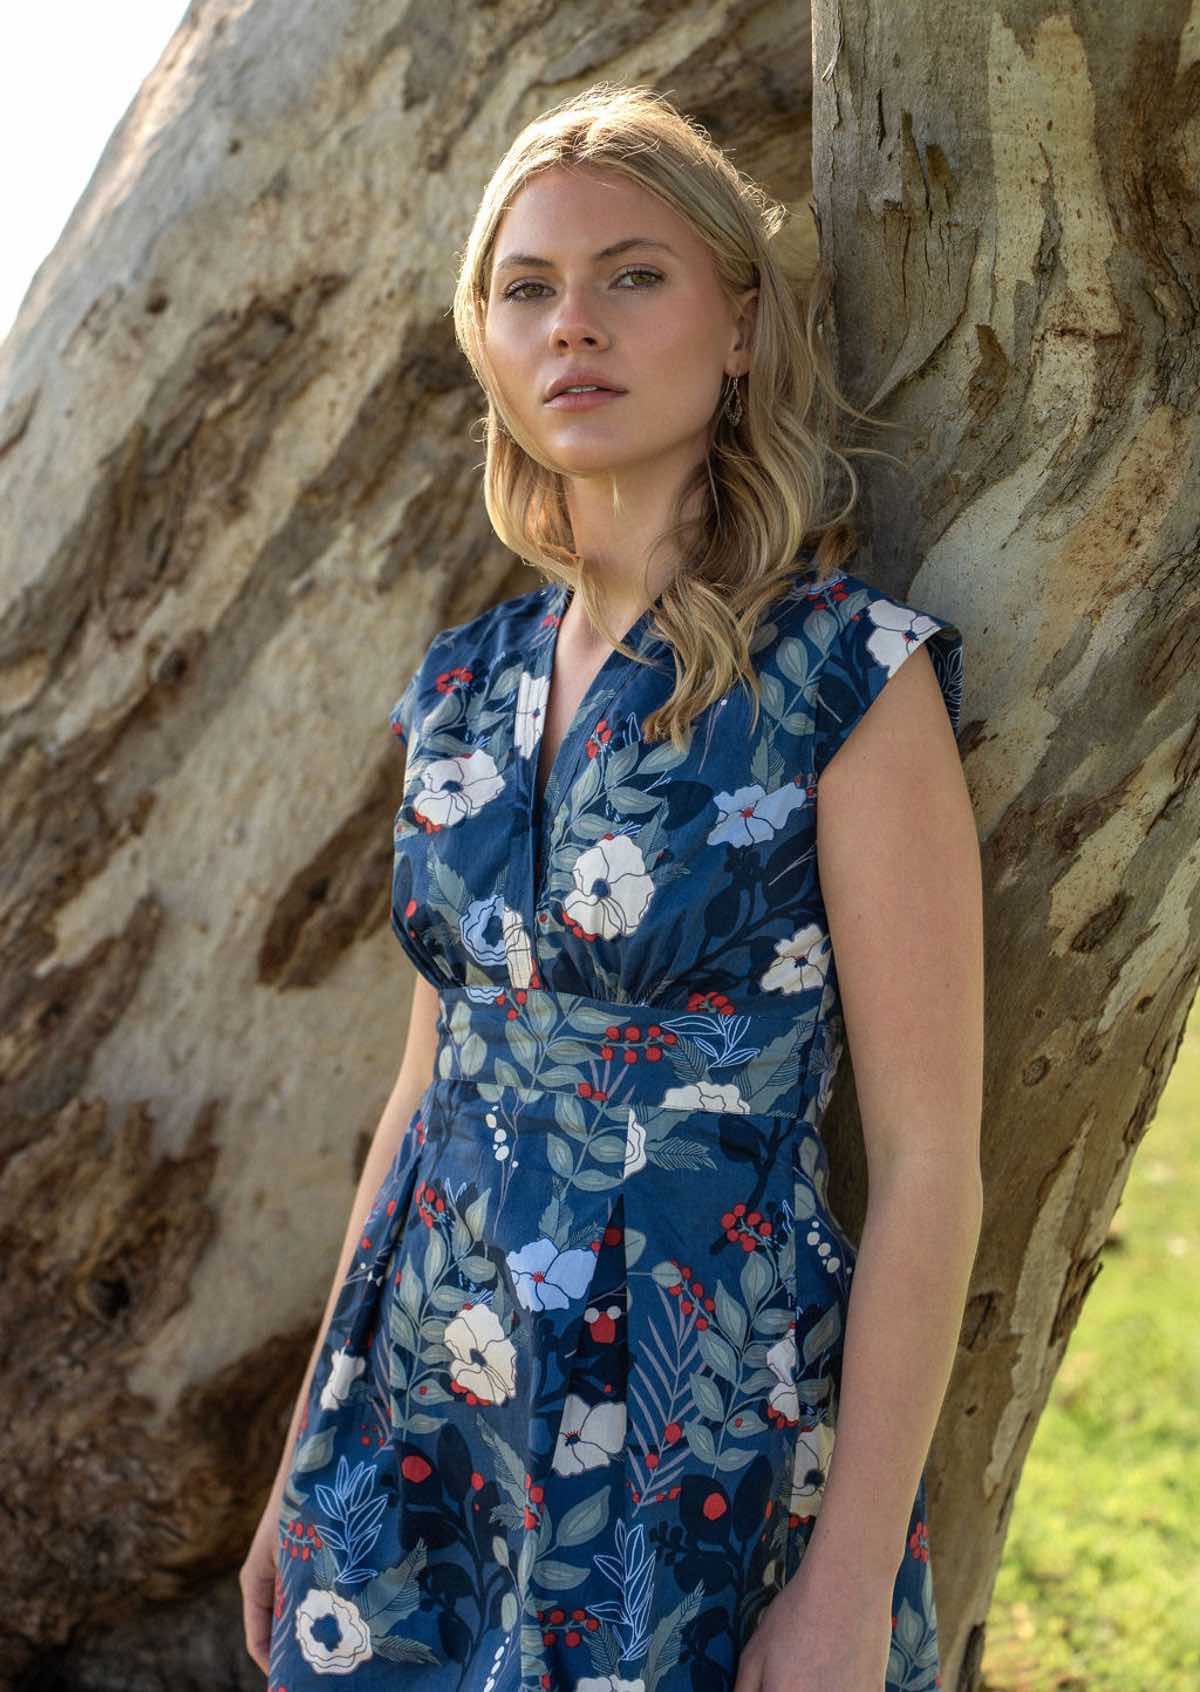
x=605 y=1399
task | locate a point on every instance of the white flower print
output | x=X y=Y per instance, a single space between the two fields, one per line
x=897 y=630
x=532 y=694
x=345 y=1369
x=635 y=1147
x=588 y=1435
x=546 y=1278
x=783 y=1360
x=801 y=962
x=483 y=1359
x=354 y=1645
x=453 y=789
x=706 y=1095
x=518 y=952
x=750 y=815
x=814 y=1448
x=609 y=1683
x=612 y=890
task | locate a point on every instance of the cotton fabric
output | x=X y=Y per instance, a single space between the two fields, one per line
x=575 y=1407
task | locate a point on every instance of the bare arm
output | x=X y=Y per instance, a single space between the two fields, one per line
x=416 y=1071
x=902 y=885
x=901 y=878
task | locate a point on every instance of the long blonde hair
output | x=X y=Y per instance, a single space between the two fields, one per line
x=764 y=483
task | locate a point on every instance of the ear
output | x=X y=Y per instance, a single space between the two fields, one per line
x=747 y=314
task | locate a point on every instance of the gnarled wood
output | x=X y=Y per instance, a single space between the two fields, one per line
x=1009 y=199
x=241 y=491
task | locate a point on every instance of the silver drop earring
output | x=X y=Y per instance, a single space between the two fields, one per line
x=732 y=403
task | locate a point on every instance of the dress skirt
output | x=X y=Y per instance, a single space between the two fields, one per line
x=573 y=1414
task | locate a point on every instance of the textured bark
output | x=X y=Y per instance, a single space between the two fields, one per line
x=241 y=493
x=1009 y=198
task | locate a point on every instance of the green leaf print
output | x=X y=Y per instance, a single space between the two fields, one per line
x=315 y=1452
x=411 y=1290
x=755 y=1281
x=583 y=1521
x=701 y=1441
x=399 y=1650
x=730 y=1315
x=706 y=1396
x=568 y=1113
x=401 y=1326
x=783 y=1053
x=435 y=1256
x=394 y=1593
x=418 y=1423
x=549 y=1221
x=558 y=1155
x=511 y=1474
x=718 y=1353
x=664 y=1642
x=476 y=1216
x=823 y=1334
x=595 y=1181
x=559 y=1577
x=673 y=1153
x=450 y=1299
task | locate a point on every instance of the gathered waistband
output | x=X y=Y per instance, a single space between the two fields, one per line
x=617 y=1056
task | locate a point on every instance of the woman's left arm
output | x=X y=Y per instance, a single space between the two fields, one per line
x=900 y=874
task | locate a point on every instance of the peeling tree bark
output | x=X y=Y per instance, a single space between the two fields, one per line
x=241 y=494
x=1009 y=199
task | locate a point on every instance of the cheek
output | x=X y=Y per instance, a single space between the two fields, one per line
x=677 y=390
x=676 y=360
x=506 y=346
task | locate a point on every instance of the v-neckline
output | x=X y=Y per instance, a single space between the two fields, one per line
x=603 y=684
x=562 y=598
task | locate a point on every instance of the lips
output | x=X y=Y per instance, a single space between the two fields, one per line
x=561 y=383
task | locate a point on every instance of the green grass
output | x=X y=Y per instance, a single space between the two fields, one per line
x=1099 y=1590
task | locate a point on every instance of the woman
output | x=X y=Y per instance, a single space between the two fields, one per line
x=571 y=1419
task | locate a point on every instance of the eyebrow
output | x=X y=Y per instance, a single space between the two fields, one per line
x=532 y=262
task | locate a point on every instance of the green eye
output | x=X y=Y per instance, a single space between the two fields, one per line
x=516 y=292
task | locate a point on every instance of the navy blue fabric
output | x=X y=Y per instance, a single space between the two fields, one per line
x=575 y=1407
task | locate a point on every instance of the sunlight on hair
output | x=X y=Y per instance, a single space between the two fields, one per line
x=764 y=492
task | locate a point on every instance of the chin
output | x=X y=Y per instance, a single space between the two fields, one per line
x=593 y=460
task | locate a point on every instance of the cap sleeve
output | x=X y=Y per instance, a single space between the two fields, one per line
x=400 y=715
x=875 y=634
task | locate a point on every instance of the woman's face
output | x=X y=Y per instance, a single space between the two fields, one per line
x=650 y=320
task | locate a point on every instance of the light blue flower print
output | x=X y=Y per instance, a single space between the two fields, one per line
x=546 y=1278
x=604 y=1294
x=750 y=815
x=475 y=924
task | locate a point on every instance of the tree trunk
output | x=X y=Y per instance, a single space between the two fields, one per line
x=1008 y=197
x=241 y=493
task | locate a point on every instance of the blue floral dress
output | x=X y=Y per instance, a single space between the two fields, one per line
x=572 y=1418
